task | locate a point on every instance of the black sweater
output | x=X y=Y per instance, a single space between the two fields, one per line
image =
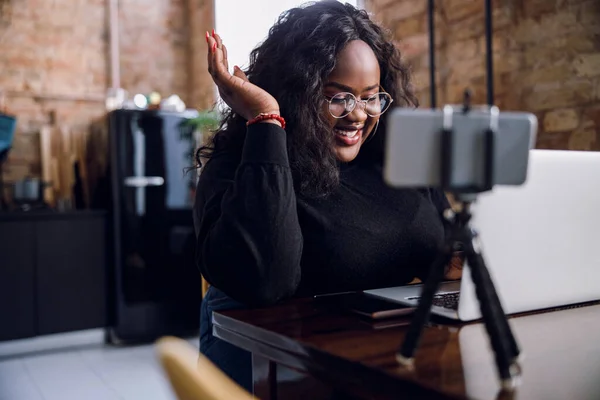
x=259 y=242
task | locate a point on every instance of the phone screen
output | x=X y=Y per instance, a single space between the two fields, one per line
x=368 y=306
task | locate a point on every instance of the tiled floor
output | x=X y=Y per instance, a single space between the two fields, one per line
x=89 y=372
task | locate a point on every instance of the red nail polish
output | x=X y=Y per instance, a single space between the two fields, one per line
x=213 y=33
x=207 y=36
x=214 y=48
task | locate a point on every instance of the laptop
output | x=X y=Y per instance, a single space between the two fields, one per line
x=540 y=241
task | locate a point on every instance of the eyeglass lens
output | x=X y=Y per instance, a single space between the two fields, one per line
x=342 y=104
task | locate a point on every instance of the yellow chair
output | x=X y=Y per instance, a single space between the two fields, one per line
x=193 y=376
x=205 y=286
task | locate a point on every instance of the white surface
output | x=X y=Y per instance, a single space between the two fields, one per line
x=541 y=337
x=92 y=372
x=541 y=241
x=245 y=24
x=14 y=348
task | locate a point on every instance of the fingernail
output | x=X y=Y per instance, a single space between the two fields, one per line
x=214 y=48
x=207 y=36
x=213 y=33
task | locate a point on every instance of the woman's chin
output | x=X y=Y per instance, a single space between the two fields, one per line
x=346 y=154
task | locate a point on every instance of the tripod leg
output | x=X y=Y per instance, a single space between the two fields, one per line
x=436 y=274
x=490 y=289
x=498 y=329
x=492 y=297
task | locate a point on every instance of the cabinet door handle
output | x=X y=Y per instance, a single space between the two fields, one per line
x=144 y=181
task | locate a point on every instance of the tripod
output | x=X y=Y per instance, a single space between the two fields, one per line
x=503 y=342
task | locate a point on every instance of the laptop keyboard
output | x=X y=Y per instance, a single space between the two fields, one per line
x=446 y=300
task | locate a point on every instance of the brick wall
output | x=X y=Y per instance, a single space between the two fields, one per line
x=546 y=59
x=54 y=61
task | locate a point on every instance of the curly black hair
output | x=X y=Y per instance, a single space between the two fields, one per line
x=292 y=64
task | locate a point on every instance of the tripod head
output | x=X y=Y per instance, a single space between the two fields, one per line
x=462 y=149
x=448 y=154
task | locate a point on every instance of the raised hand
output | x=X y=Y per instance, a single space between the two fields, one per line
x=244 y=98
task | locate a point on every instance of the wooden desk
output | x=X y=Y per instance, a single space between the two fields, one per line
x=346 y=352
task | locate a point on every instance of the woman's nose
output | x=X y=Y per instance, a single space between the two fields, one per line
x=359 y=113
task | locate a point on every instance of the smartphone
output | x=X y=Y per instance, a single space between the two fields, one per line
x=364 y=305
x=414 y=144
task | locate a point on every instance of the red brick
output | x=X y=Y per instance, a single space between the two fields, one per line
x=561 y=120
x=421 y=78
x=503 y=16
x=26 y=148
x=587 y=65
x=535 y=8
x=458 y=10
x=466 y=69
x=15 y=170
x=375 y=5
x=471 y=27
x=411 y=26
x=414 y=45
x=548 y=73
x=463 y=49
x=508 y=62
x=401 y=10
x=588 y=13
x=584 y=138
x=508 y=101
x=592 y=113
x=553 y=141
x=549 y=26
x=591 y=120
x=577 y=92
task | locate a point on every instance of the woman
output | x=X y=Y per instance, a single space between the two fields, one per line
x=304 y=210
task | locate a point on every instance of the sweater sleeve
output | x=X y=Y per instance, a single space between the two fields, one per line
x=439 y=200
x=249 y=242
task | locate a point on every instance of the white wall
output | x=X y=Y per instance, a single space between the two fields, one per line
x=243 y=24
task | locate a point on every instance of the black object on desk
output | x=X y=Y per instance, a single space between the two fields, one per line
x=365 y=305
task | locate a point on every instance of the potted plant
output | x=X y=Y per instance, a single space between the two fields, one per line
x=195 y=129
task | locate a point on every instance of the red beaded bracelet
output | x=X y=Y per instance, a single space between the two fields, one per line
x=263 y=116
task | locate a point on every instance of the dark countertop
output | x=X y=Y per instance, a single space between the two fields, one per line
x=37 y=215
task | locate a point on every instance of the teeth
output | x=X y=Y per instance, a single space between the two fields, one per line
x=349 y=134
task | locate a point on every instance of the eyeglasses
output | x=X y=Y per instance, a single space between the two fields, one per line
x=344 y=103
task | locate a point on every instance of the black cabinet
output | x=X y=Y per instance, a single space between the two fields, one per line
x=52 y=273
x=71 y=272
x=17 y=280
